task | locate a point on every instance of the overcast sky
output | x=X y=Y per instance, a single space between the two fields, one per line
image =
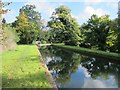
x=80 y=9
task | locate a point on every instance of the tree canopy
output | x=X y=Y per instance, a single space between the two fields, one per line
x=64 y=27
x=28 y=24
x=96 y=31
x=118 y=31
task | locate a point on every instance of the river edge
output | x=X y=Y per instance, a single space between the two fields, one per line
x=48 y=74
x=91 y=52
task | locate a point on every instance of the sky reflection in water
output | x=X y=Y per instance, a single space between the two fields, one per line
x=73 y=70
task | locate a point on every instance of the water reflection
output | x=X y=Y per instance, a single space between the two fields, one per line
x=71 y=69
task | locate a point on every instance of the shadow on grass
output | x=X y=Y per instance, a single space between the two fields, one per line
x=31 y=58
x=36 y=80
x=32 y=76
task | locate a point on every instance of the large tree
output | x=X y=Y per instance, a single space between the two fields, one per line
x=23 y=28
x=31 y=24
x=34 y=17
x=118 y=31
x=112 y=36
x=64 y=27
x=96 y=31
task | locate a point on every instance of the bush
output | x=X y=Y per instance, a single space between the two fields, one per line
x=10 y=38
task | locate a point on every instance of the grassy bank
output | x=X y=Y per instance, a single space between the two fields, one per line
x=23 y=68
x=98 y=53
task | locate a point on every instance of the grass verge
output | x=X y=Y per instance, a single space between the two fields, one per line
x=98 y=53
x=22 y=68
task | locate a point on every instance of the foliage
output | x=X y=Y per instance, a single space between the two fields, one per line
x=2 y=5
x=10 y=38
x=63 y=27
x=34 y=17
x=3 y=35
x=23 y=28
x=96 y=31
x=44 y=36
x=112 y=36
x=28 y=24
x=118 y=31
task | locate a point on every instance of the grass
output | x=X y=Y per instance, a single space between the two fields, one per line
x=103 y=54
x=22 y=68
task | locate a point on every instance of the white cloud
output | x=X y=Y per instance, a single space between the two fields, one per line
x=90 y=83
x=88 y=12
x=98 y=1
x=43 y=7
x=10 y=16
x=112 y=1
x=60 y=1
x=89 y=2
x=94 y=2
x=113 y=4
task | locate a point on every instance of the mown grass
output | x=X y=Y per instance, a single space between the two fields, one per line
x=103 y=54
x=22 y=68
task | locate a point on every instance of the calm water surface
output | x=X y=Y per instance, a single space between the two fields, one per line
x=73 y=70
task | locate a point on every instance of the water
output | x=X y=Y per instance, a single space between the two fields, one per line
x=73 y=70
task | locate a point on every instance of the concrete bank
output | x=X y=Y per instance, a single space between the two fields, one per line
x=49 y=76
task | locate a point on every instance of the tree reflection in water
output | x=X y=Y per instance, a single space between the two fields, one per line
x=64 y=63
x=101 y=67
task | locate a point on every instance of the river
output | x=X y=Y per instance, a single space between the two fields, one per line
x=75 y=70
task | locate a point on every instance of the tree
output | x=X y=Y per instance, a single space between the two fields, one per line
x=23 y=28
x=112 y=36
x=118 y=31
x=96 y=31
x=64 y=28
x=34 y=18
x=2 y=5
x=28 y=24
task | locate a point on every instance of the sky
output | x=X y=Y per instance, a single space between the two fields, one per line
x=80 y=9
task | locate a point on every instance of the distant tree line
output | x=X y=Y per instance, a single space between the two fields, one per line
x=100 y=33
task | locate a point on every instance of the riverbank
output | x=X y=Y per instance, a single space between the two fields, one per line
x=98 y=53
x=24 y=68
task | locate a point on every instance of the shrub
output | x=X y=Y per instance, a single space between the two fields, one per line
x=10 y=38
